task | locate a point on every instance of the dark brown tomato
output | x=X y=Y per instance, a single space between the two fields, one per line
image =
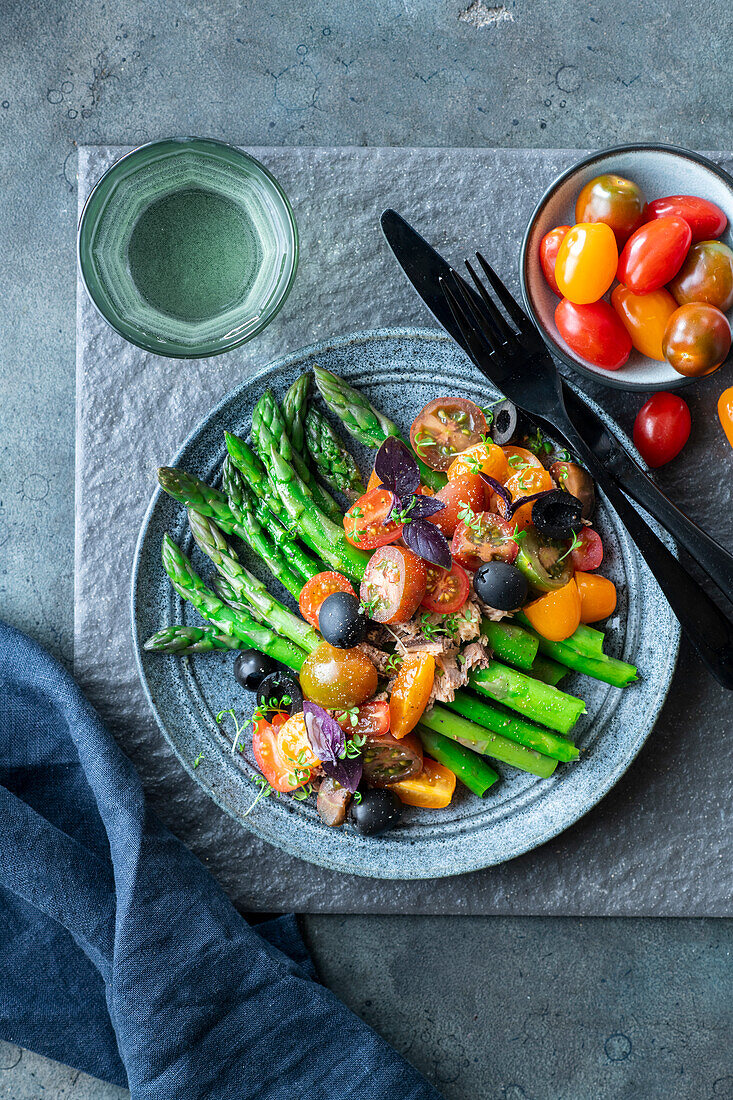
x=444 y=428
x=706 y=276
x=696 y=340
x=385 y=759
x=614 y=200
x=484 y=537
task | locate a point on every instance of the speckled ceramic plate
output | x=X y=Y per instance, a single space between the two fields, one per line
x=400 y=370
x=659 y=170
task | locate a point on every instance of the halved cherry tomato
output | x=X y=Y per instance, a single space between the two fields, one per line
x=549 y=248
x=444 y=428
x=654 y=254
x=270 y=760
x=294 y=745
x=661 y=428
x=697 y=339
x=337 y=678
x=315 y=591
x=706 y=276
x=385 y=759
x=586 y=262
x=411 y=692
x=485 y=537
x=705 y=219
x=519 y=458
x=482 y=458
x=614 y=200
x=594 y=332
x=597 y=597
x=446 y=590
x=364 y=524
x=527 y=481
x=725 y=412
x=644 y=316
x=432 y=789
x=372 y=720
x=468 y=490
x=588 y=553
x=374 y=481
x=393 y=584
x=557 y=614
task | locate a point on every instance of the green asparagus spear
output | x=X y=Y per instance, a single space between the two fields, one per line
x=487 y=742
x=516 y=729
x=608 y=669
x=249 y=588
x=314 y=528
x=183 y=640
x=196 y=494
x=334 y=463
x=535 y=700
x=253 y=510
x=365 y=423
x=550 y=672
x=254 y=473
x=510 y=643
x=268 y=423
x=294 y=408
x=468 y=766
x=235 y=624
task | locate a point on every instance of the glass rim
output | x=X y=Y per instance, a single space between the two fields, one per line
x=213 y=346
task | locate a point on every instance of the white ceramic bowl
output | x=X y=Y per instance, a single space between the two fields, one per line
x=659 y=170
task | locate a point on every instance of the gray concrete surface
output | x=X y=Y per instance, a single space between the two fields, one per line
x=527 y=1009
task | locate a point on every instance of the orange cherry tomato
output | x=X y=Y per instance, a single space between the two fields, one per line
x=725 y=412
x=393 y=584
x=556 y=615
x=364 y=524
x=338 y=678
x=277 y=770
x=374 y=481
x=432 y=789
x=525 y=482
x=549 y=248
x=315 y=591
x=466 y=490
x=644 y=316
x=697 y=339
x=410 y=692
x=518 y=458
x=597 y=597
x=614 y=200
x=294 y=744
x=586 y=262
x=482 y=458
x=594 y=332
x=654 y=254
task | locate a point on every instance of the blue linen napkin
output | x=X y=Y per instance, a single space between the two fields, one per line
x=119 y=953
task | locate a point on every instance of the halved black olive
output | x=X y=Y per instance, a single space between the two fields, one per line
x=504 y=422
x=557 y=514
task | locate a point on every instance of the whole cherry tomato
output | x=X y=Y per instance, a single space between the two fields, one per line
x=696 y=340
x=339 y=678
x=549 y=248
x=654 y=254
x=661 y=428
x=588 y=551
x=594 y=332
x=706 y=276
x=705 y=219
x=644 y=316
x=725 y=412
x=597 y=597
x=614 y=200
x=586 y=262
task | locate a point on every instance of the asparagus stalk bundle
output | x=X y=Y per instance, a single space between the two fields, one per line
x=254 y=473
x=516 y=729
x=184 y=640
x=488 y=743
x=334 y=463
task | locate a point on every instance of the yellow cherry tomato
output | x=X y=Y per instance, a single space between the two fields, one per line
x=556 y=615
x=725 y=412
x=410 y=693
x=525 y=483
x=294 y=745
x=597 y=596
x=482 y=458
x=586 y=262
x=644 y=316
x=432 y=789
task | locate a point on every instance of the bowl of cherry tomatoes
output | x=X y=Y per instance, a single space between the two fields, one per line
x=627 y=266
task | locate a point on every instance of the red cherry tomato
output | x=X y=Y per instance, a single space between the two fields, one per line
x=486 y=537
x=364 y=524
x=549 y=248
x=393 y=584
x=654 y=254
x=315 y=591
x=594 y=332
x=661 y=428
x=446 y=590
x=372 y=720
x=467 y=489
x=588 y=554
x=270 y=760
x=705 y=219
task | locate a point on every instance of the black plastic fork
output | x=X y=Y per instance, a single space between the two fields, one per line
x=510 y=352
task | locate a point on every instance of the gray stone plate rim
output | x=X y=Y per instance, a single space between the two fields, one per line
x=185 y=694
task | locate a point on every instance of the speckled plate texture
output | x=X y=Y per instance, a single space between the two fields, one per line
x=399 y=370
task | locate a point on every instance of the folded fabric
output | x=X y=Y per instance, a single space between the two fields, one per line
x=122 y=957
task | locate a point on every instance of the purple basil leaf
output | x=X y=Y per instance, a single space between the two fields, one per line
x=425 y=540
x=396 y=468
x=347 y=772
x=395 y=506
x=324 y=733
x=425 y=506
x=501 y=491
x=527 y=500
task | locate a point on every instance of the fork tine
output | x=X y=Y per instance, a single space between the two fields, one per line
x=485 y=325
x=506 y=332
x=512 y=307
x=476 y=344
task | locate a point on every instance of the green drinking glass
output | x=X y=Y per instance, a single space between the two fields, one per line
x=188 y=248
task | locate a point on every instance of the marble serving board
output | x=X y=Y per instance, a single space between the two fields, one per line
x=660 y=843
